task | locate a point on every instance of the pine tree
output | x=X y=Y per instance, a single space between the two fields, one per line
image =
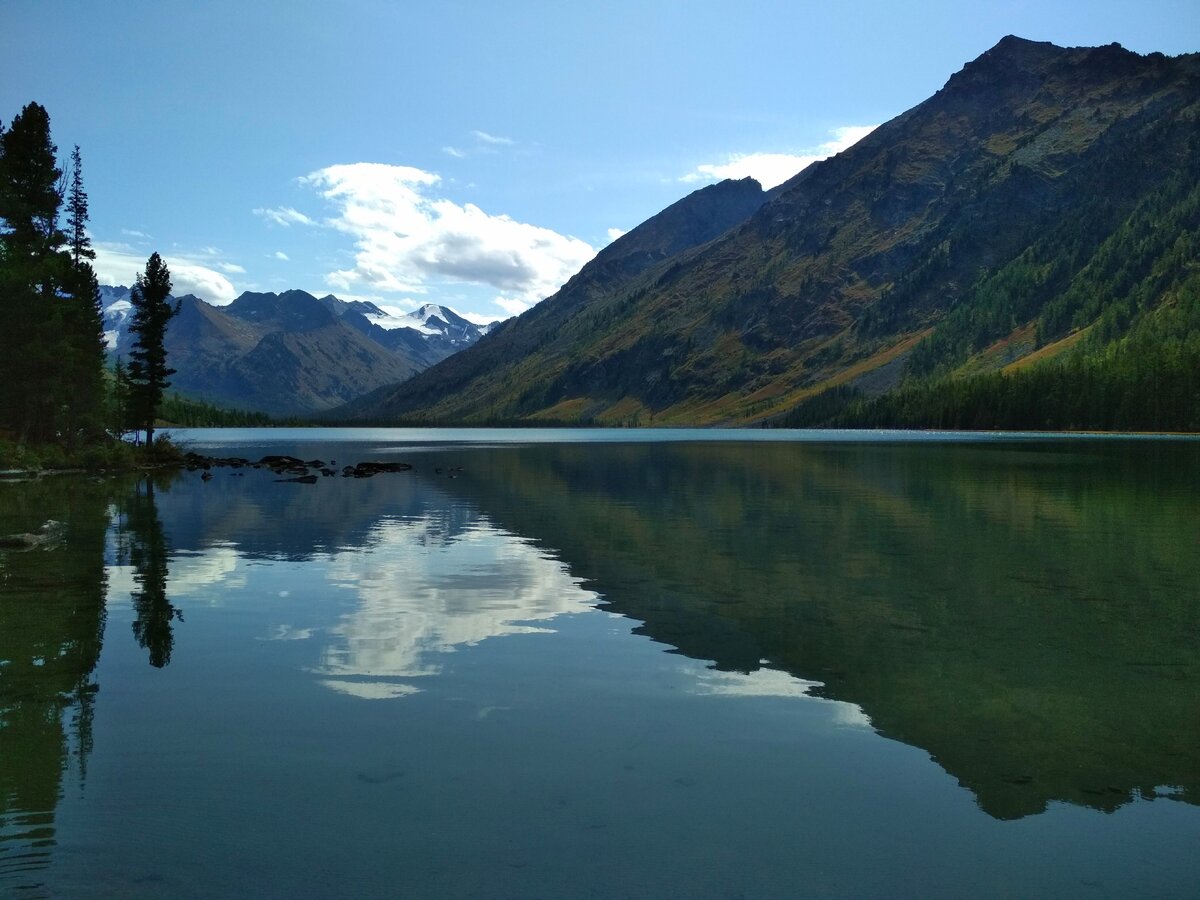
x=118 y=403
x=77 y=213
x=31 y=189
x=32 y=271
x=148 y=370
x=83 y=366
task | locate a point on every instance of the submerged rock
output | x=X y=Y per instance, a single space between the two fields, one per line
x=302 y=479
x=281 y=462
x=44 y=538
x=367 y=469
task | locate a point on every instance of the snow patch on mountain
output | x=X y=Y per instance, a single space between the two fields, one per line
x=431 y=320
x=117 y=312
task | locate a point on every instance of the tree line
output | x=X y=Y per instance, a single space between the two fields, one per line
x=53 y=382
x=1146 y=380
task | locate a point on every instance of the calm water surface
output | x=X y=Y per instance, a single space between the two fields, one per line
x=615 y=664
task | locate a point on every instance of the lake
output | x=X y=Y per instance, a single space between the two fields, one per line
x=609 y=664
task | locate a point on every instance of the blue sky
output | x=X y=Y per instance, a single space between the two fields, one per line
x=474 y=154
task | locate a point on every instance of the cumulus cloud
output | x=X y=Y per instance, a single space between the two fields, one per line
x=771 y=169
x=512 y=306
x=614 y=233
x=284 y=216
x=406 y=238
x=279 y=254
x=120 y=264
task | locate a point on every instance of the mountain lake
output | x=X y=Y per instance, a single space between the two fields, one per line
x=623 y=663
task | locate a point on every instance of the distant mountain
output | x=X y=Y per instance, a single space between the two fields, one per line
x=291 y=353
x=427 y=334
x=1038 y=217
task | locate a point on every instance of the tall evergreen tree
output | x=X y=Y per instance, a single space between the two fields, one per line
x=148 y=370
x=77 y=213
x=83 y=365
x=32 y=271
x=118 y=411
x=82 y=373
x=31 y=189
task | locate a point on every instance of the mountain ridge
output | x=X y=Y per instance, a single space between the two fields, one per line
x=292 y=353
x=692 y=221
x=854 y=266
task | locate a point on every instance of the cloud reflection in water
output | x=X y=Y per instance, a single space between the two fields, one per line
x=423 y=592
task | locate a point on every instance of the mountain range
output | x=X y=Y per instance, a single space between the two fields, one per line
x=292 y=353
x=1036 y=218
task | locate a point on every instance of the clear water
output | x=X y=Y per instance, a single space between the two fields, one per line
x=613 y=664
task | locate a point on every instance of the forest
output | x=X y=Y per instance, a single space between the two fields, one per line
x=60 y=402
x=1111 y=298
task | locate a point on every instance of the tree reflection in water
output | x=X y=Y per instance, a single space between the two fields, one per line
x=148 y=550
x=52 y=619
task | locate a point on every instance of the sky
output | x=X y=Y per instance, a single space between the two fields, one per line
x=472 y=154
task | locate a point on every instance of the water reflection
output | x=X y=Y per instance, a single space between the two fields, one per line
x=424 y=588
x=145 y=548
x=52 y=619
x=1026 y=615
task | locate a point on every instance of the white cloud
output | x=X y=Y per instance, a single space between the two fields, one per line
x=231 y=268
x=614 y=233
x=513 y=306
x=407 y=240
x=284 y=216
x=454 y=151
x=771 y=169
x=477 y=318
x=120 y=264
x=279 y=254
x=492 y=139
x=191 y=278
x=129 y=232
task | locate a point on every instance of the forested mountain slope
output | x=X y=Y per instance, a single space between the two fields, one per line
x=1038 y=213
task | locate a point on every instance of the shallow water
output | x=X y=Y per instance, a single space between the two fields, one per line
x=644 y=664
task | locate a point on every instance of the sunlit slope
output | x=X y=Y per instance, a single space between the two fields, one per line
x=1018 y=204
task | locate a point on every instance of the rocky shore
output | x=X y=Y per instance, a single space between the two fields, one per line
x=292 y=469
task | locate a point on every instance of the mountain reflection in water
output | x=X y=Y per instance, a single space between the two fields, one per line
x=1027 y=615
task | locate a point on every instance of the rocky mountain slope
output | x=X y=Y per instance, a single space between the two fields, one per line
x=1042 y=205
x=292 y=353
x=508 y=359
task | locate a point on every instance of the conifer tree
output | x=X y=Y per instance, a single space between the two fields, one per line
x=82 y=373
x=32 y=271
x=148 y=370
x=77 y=213
x=31 y=189
x=118 y=410
x=83 y=364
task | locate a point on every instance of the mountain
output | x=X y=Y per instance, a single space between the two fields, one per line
x=505 y=360
x=292 y=353
x=1038 y=217
x=427 y=334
